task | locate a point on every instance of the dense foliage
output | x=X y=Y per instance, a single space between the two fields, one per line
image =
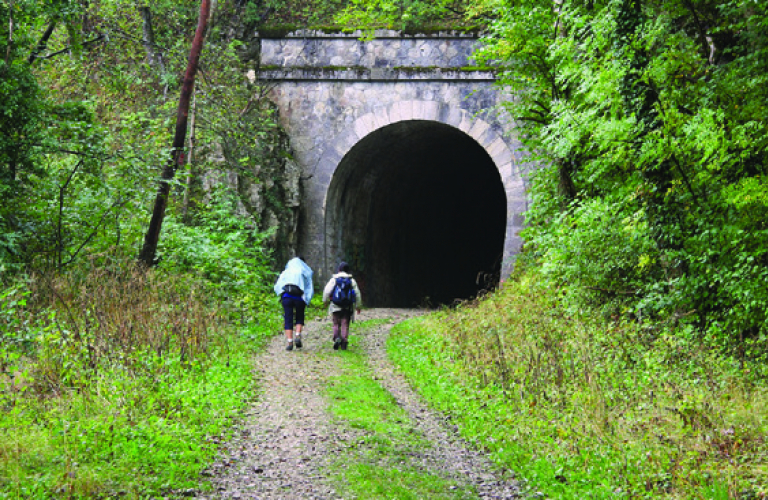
x=117 y=380
x=89 y=99
x=651 y=119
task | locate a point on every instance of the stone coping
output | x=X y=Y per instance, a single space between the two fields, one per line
x=374 y=74
x=377 y=34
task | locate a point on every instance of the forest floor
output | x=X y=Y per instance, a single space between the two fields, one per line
x=295 y=442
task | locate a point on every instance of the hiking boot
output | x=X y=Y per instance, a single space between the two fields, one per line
x=297 y=341
x=289 y=347
x=336 y=344
x=344 y=344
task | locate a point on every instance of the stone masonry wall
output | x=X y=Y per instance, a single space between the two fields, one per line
x=332 y=90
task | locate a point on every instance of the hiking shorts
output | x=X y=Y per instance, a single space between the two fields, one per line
x=293 y=305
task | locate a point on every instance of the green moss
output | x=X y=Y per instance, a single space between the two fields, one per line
x=434 y=30
x=277 y=31
x=283 y=30
x=430 y=69
x=404 y=69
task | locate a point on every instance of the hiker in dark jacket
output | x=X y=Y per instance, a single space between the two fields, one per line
x=294 y=287
x=342 y=316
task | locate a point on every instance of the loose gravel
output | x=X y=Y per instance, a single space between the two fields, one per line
x=286 y=444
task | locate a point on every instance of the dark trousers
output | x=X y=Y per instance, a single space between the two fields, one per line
x=341 y=321
x=293 y=305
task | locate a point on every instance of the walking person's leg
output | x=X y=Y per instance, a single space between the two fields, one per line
x=288 y=321
x=336 y=329
x=344 y=321
x=300 y=306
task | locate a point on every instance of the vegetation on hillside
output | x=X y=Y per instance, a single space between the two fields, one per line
x=652 y=119
x=584 y=407
x=117 y=380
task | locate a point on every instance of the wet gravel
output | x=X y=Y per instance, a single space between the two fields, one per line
x=286 y=444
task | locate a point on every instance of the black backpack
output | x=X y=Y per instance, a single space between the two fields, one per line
x=343 y=294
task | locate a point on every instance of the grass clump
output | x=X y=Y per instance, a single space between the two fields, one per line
x=375 y=467
x=116 y=382
x=581 y=407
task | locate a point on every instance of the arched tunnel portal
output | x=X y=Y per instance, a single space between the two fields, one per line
x=419 y=211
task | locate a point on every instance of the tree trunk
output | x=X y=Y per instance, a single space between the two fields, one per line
x=154 y=58
x=190 y=158
x=9 y=46
x=148 y=251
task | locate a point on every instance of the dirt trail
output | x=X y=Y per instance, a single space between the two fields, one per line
x=286 y=444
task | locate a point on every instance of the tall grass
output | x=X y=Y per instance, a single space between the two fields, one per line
x=582 y=407
x=116 y=381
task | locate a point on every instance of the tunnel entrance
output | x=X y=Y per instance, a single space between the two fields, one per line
x=418 y=209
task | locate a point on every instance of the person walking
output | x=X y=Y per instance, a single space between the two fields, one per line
x=294 y=288
x=342 y=304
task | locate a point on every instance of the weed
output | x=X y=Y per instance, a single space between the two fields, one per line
x=581 y=407
x=116 y=382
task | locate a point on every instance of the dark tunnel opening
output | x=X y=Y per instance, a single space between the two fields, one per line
x=419 y=211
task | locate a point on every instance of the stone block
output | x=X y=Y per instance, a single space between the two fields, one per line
x=490 y=136
x=513 y=182
x=505 y=171
x=395 y=115
x=427 y=110
x=466 y=123
x=344 y=141
x=478 y=129
x=381 y=117
x=513 y=242
x=501 y=154
x=406 y=109
x=364 y=125
x=496 y=148
x=516 y=207
x=452 y=115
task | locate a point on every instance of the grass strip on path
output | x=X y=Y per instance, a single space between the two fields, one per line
x=379 y=464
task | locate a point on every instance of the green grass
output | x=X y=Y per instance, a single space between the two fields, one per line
x=127 y=398
x=125 y=435
x=582 y=408
x=377 y=466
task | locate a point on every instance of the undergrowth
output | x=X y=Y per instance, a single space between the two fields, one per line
x=118 y=381
x=584 y=408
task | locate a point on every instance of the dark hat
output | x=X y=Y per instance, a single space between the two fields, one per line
x=343 y=268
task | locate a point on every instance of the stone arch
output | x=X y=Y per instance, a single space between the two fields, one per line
x=503 y=157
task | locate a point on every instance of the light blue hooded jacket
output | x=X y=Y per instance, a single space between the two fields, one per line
x=298 y=273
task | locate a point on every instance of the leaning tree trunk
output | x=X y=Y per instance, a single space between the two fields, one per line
x=148 y=251
x=43 y=43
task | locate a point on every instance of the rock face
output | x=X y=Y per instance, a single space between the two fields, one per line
x=269 y=190
x=363 y=118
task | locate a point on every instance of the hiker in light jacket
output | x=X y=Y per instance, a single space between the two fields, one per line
x=294 y=287
x=342 y=316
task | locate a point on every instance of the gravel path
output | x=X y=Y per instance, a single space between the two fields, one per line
x=285 y=445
